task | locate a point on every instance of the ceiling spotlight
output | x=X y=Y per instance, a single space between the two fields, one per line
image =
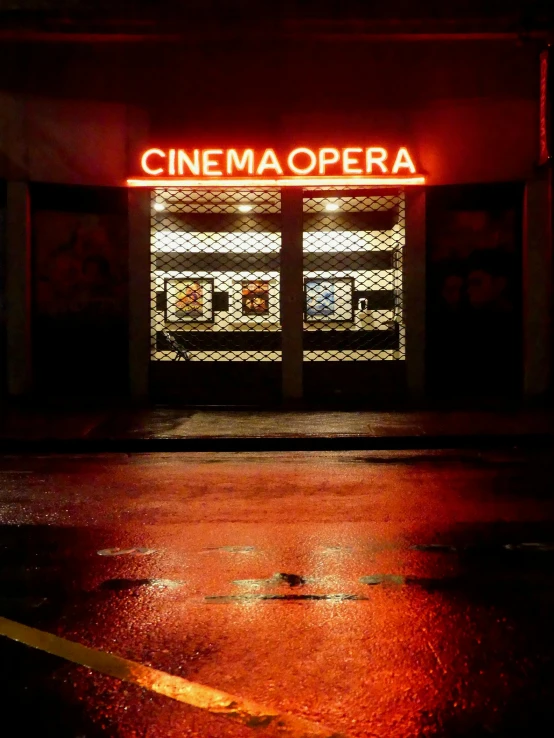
x=332 y=206
x=159 y=206
x=245 y=208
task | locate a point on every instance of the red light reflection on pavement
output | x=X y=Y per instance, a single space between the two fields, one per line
x=395 y=664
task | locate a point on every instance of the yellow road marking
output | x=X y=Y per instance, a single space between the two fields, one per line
x=205 y=698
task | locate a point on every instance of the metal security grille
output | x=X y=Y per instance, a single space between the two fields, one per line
x=353 y=244
x=215 y=275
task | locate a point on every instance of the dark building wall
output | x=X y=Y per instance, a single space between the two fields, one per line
x=468 y=110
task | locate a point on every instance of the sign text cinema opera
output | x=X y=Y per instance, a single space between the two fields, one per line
x=302 y=163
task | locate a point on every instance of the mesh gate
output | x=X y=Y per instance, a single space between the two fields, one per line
x=215 y=275
x=216 y=286
x=352 y=247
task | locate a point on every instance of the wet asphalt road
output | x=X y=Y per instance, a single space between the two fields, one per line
x=386 y=595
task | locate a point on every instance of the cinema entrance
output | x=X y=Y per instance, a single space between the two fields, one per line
x=247 y=285
x=277 y=277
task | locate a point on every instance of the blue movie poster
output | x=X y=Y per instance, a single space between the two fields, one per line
x=320 y=299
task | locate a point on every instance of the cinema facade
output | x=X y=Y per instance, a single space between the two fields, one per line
x=380 y=256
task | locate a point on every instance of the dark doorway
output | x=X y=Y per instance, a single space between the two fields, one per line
x=80 y=277
x=474 y=316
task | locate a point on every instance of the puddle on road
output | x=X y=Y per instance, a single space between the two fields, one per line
x=530 y=547
x=121 y=585
x=483 y=581
x=335 y=549
x=487 y=548
x=398 y=580
x=291 y=580
x=394 y=579
x=435 y=547
x=229 y=549
x=226 y=599
x=126 y=551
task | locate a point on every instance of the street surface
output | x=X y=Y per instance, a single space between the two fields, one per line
x=380 y=594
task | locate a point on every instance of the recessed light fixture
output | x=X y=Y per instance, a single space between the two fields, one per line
x=245 y=208
x=159 y=206
x=331 y=207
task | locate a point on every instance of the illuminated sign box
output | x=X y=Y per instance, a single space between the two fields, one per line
x=354 y=165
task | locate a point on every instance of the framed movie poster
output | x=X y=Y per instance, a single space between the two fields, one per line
x=189 y=300
x=329 y=300
x=255 y=297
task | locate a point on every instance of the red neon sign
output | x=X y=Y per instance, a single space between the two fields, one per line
x=300 y=167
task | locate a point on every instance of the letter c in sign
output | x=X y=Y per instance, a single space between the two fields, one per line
x=144 y=161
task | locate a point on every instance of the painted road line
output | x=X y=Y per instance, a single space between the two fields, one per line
x=197 y=695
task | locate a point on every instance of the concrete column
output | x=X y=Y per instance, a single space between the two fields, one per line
x=292 y=293
x=537 y=286
x=139 y=260
x=19 y=368
x=139 y=292
x=414 y=268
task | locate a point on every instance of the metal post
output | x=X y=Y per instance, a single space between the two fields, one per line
x=139 y=292
x=537 y=286
x=292 y=294
x=414 y=263
x=18 y=290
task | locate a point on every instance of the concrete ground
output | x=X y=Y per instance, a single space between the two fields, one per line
x=173 y=428
x=386 y=594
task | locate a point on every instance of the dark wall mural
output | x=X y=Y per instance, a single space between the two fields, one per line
x=474 y=292
x=80 y=290
x=80 y=265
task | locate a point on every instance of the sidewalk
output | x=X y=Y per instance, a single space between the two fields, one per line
x=178 y=429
